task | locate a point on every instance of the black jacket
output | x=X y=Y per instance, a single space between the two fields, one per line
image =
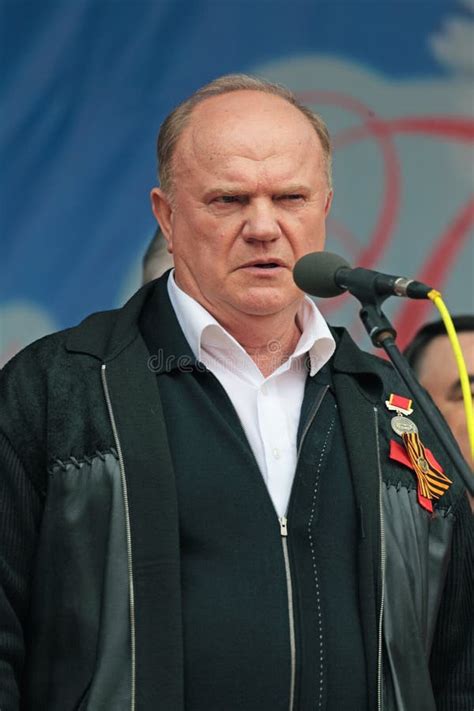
x=89 y=549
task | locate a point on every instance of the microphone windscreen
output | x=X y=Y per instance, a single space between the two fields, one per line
x=315 y=274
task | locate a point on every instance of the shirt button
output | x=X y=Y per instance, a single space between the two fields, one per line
x=264 y=389
x=276 y=453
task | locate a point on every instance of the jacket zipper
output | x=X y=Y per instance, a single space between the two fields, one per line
x=284 y=542
x=127 y=533
x=291 y=614
x=382 y=568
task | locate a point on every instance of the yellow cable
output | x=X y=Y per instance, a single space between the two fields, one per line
x=435 y=297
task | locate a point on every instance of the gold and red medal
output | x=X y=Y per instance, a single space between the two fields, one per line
x=431 y=479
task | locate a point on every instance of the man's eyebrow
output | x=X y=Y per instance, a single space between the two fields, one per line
x=238 y=189
x=226 y=189
x=456 y=386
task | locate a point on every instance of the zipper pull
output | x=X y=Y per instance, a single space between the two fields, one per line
x=283 y=526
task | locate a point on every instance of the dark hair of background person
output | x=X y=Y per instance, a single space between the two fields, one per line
x=156 y=259
x=415 y=349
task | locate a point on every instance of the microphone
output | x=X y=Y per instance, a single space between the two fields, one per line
x=325 y=274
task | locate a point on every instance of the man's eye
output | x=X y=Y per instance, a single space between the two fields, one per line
x=292 y=197
x=457 y=396
x=227 y=199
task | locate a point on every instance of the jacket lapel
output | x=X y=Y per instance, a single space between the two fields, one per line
x=154 y=529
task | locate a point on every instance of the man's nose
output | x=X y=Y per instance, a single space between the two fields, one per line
x=261 y=223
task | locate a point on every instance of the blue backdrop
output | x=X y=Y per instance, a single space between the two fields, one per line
x=85 y=86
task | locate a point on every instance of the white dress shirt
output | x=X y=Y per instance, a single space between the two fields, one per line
x=268 y=408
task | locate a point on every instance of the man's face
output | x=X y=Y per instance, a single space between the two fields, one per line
x=439 y=375
x=250 y=199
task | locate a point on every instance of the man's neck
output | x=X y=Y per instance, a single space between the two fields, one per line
x=268 y=341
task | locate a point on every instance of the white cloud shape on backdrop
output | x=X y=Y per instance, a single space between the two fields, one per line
x=453 y=46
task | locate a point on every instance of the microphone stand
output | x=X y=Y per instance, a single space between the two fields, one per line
x=382 y=334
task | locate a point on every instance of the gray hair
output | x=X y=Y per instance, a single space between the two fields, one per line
x=174 y=124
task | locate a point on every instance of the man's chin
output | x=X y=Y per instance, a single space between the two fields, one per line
x=267 y=302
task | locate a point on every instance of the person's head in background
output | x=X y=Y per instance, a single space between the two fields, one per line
x=431 y=357
x=156 y=260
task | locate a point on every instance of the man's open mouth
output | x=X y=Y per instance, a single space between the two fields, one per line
x=262 y=265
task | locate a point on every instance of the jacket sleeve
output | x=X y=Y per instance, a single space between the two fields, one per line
x=452 y=657
x=20 y=512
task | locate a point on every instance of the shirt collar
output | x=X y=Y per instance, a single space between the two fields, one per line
x=202 y=330
x=316 y=338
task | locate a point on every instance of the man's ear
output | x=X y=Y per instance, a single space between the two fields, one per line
x=163 y=211
x=328 y=204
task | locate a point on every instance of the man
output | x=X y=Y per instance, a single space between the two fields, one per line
x=431 y=356
x=201 y=510
x=156 y=260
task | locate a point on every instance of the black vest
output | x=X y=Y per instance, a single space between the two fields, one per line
x=236 y=623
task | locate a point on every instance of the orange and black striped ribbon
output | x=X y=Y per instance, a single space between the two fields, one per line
x=432 y=482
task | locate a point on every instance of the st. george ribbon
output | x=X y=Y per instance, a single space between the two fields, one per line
x=325 y=274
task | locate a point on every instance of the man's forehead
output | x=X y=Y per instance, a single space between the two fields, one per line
x=441 y=343
x=438 y=362
x=246 y=120
x=251 y=168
